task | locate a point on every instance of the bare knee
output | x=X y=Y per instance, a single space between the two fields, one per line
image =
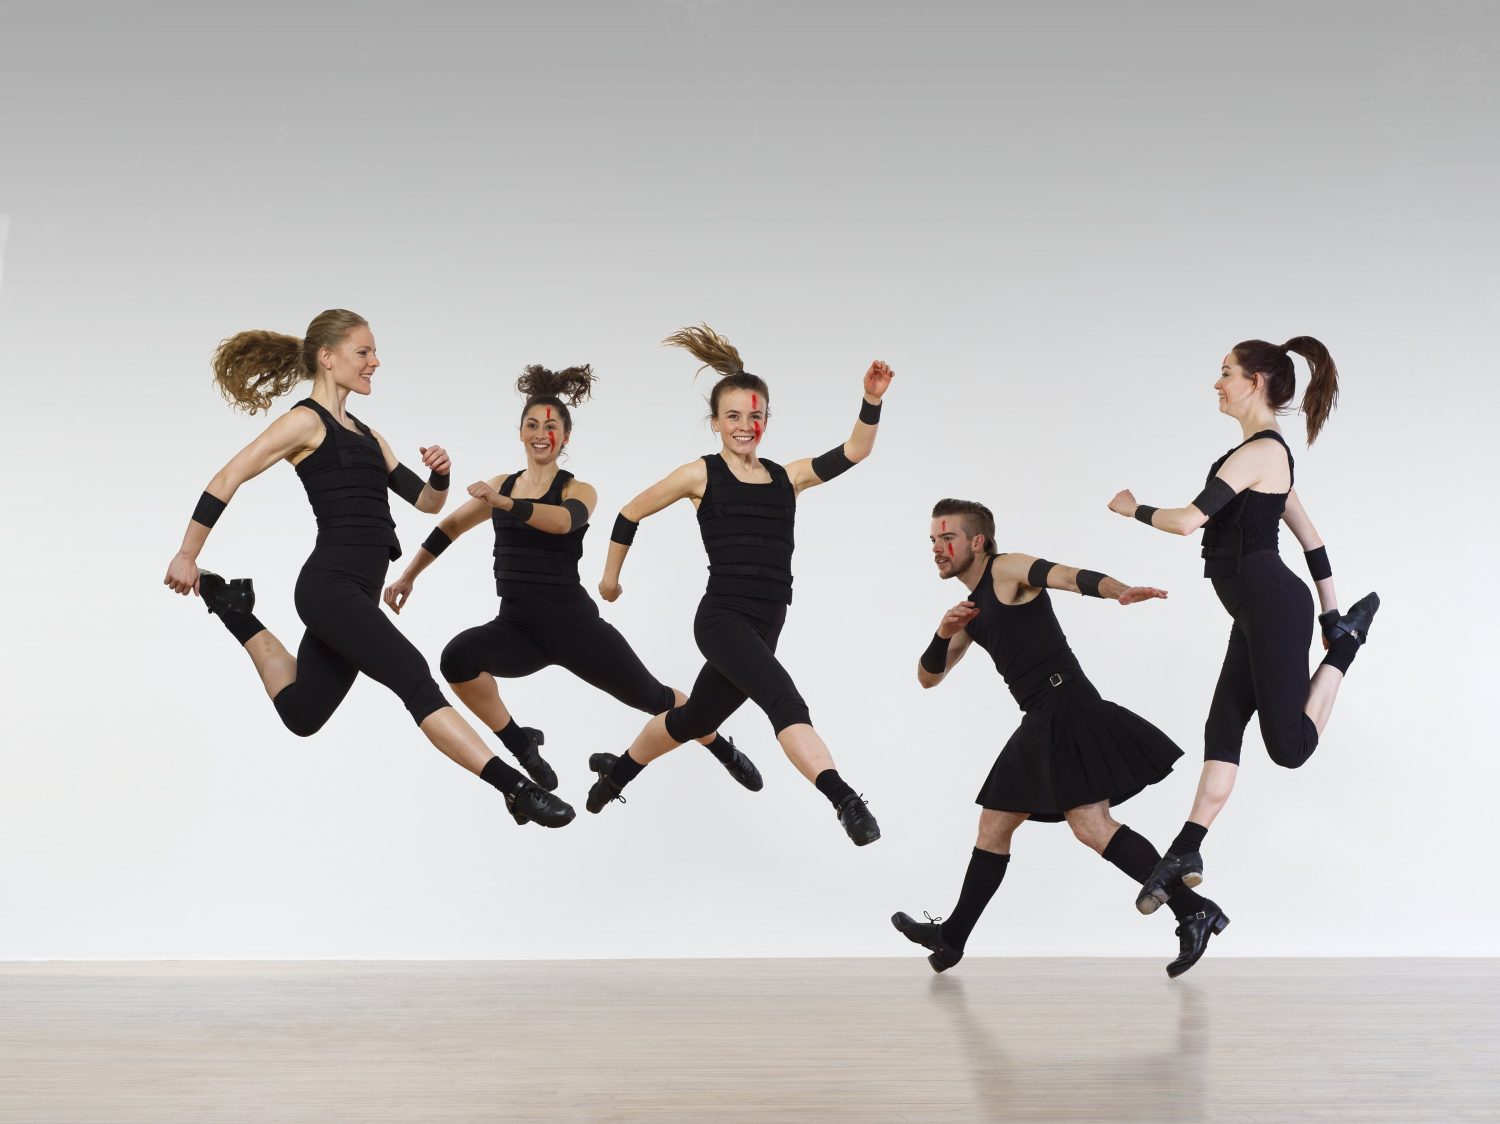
x=995 y=830
x=1093 y=830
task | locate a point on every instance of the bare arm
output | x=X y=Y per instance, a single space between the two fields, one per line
x=689 y=481
x=468 y=516
x=579 y=500
x=1014 y=570
x=809 y=472
x=429 y=500
x=950 y=630
x=1246 y=468
x=1297 y=521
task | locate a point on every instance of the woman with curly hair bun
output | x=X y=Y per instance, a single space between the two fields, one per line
x=347 y=469
x=540 y=515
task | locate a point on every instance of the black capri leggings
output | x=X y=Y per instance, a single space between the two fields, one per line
x=338 y=599
x=737 y=635
x=1265 y=669
x=532 y=633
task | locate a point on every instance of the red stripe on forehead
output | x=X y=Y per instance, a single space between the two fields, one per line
x=549 y=413
x=754 y=400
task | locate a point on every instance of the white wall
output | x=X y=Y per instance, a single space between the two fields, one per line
x=1052 y=224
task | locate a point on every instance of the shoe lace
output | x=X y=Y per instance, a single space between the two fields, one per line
x=930 y=917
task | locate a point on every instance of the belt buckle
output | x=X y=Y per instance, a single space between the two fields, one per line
x=1055 y=679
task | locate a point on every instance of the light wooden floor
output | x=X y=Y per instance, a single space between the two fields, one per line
x=732 y=1040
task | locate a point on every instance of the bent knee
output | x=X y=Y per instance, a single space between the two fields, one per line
x=457 y=663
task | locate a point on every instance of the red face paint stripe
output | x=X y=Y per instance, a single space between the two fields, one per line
x=549 y=413
x=551 y=440
x=950 y=550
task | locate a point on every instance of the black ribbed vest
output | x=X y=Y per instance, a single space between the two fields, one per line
x=1025 y=641
x=1249 y=523
x=748 y=532
x=346 y=483
x=532 y=563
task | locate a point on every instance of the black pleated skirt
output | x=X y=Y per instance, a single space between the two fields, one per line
x=1076 y=748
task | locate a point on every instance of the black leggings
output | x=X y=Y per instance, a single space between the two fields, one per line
x=338 y=599
x=1265 y=669
x=737 y=635
x=531 y=633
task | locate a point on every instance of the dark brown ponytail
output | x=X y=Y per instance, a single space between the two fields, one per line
x=713 y=350
x=561 y=389
x=1275 y=363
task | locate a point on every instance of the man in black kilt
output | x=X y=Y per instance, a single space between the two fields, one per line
x=1074 y=754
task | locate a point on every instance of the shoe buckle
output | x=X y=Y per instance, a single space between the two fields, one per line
x=1201 y=915
x=1055 y=679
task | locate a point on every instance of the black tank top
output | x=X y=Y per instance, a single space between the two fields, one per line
x=747 y=531
x=532 y=563
x=346 y=482
x=1025 y=641
x=1248 y=524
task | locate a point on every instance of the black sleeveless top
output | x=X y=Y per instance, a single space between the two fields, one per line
x=346 y=483
x=1249 y=523
x=532 y=563
x=1025 y=641
x=747 y=531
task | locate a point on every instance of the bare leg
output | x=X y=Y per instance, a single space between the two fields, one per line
x=1214 y=786
x=482 y=697
x=276 y=666
x=996 y=828
x=1321 y=692
x=447 y=730
x=806 y=750
x=1093 y=825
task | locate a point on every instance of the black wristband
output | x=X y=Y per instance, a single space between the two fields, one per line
x=624 y=532
x=869 y=412
x=1037 y=575
x=208 y=510
x=436 y=542
x=521 y=509
x=437 y=481
x=1144 y=512
x=1088 y=583
x=1318 y=566
x=935 y=658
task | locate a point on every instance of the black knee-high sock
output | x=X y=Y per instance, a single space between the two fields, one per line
x=514 y=736
x=502 y=776
x=1134 y=854
x=625 y=770
x=1190 y=838
x=833 y=786
x=1341 y=652
x=981 y=880
x=242 y=626
x=721 y=747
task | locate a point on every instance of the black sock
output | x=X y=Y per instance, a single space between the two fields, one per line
x=1190 y=838
x=1341 y=652
x=242 y=626
x=721 y=747
x=981 y=880
x=514 y=737
x=626 y=769
x=833 y=786
x=502 y=776
x=1134 y=854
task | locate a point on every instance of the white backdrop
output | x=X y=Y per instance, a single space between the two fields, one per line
x=1052 y=224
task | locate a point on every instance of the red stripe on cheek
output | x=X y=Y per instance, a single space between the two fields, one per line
x=757 y=430
x=950 y=550
x=551 y=440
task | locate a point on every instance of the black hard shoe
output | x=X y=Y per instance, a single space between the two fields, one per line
x=928 y=934
x=530 y=760
x=741 y=768
x=221 y=596
x=604 y=789
x=858 y=821
x=1193 y=932
x=1170 y=872
x=537 y=805
x=1356 y=622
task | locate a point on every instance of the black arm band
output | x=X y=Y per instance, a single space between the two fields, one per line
x=578 y=513
x=935 y=658
x=624 y=532
x=869 y=412
x=437 y=481
x=1088 y=583
x=521 y=509
x=833 y=463
x=436 y=542
x=1318 y=566
x=208 y=510
x=405 y=483
x=1214 y=496
x=1037 y=575
x=1144 y=512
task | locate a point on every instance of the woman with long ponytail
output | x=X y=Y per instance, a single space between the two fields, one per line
x=546 y=618
x=746 y=509
x=347 y=469
x=1248 y=495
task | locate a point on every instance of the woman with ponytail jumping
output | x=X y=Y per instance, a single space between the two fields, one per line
x=1248 y=494
x=346 y=468
x=546 y=618
x=746 y=509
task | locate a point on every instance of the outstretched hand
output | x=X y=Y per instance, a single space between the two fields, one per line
x=878 y=379
x=1131 y=594
x=955 y=618
x=435 y=457
x=396 y=594
x=1124 y=503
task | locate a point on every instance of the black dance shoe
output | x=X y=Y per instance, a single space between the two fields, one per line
x=858 y=821
x=1170 y=872
x=530 y=760
x=221 y=596
x=604 y=789
x=928 y=934
x=537 y=805
x=1193 y=932
x=1356 y=622
x=741 y=768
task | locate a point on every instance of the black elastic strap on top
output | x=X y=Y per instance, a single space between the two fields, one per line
x=1144 y=512
x=1088 y=583
x=1214 y=496
x=1037 y=575
x=405 y=483
x=833 y=463
x=436 y=542
x=869 y=412
x=522 y=509
x=208 y=510
x=1318 y=566
x=578 y=513
x=935 y=658
x=437 y=481
x=624 y=532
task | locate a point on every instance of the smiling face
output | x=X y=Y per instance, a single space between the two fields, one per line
x=953 y=548
x=352 y=364
x=543 y=434
x=741 y=420
x=1237 y=388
